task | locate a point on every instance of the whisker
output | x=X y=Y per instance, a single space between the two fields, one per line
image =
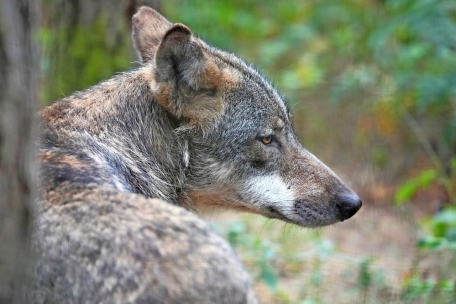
x=262 y=228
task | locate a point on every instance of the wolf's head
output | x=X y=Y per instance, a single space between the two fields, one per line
x=241 y=150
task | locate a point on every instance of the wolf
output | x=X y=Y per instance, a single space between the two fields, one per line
x=127 y=165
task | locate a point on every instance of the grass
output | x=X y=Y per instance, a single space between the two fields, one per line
x=290 y=264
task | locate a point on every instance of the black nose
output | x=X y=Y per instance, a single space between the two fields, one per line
x=348 y=204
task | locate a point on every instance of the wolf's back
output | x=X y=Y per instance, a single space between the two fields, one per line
x=100 y=246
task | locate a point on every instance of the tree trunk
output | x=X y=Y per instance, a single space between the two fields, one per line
x=19 y=95
x=18 y=104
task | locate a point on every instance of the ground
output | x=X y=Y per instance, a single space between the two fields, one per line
x=366 y=259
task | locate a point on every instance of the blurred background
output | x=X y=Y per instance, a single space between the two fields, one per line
x=372 y=84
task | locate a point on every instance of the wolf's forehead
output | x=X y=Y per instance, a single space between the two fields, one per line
x=248 y=73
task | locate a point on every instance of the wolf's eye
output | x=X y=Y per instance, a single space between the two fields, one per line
x=266 y=139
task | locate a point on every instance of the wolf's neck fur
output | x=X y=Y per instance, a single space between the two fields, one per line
x=113 y=134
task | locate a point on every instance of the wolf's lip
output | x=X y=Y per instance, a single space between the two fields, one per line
x=274 y=213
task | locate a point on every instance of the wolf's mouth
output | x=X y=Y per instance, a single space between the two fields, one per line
x=273 y=213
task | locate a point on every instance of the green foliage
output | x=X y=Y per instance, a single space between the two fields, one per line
x=263 y=252
x=442 y=228
x=275 y=256
x=435 y=292
x=406 y=191
x=74 y=60
x=365 y=274
x=441 y=238
x=409 y=43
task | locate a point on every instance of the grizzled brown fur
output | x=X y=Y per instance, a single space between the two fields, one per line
x=193 y=128
x=111 y=247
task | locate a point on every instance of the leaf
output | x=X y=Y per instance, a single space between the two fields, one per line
x=405 y=192
x=268 y=276
x=446 y=216
x=235 y=232
x=450 y=235
x=410 y=187
x=430 y=242
x=365 y=277
x=426 y=178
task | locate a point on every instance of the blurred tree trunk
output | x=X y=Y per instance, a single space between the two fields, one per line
x=18 y=104
x=19 y=95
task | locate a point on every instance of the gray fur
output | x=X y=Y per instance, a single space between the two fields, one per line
x=193 y=128
x=102 y=246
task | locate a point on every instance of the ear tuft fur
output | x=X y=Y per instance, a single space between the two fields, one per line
x=149 y=27
x=177 y=29
x=179 y=56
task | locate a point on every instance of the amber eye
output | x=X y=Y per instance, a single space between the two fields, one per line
x=266 y=139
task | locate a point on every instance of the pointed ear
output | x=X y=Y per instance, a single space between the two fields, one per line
x=190 y=84
x=179 y=57
x=149 y=27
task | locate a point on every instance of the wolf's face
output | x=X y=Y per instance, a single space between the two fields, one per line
x=251 y=160
x=241 y=150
